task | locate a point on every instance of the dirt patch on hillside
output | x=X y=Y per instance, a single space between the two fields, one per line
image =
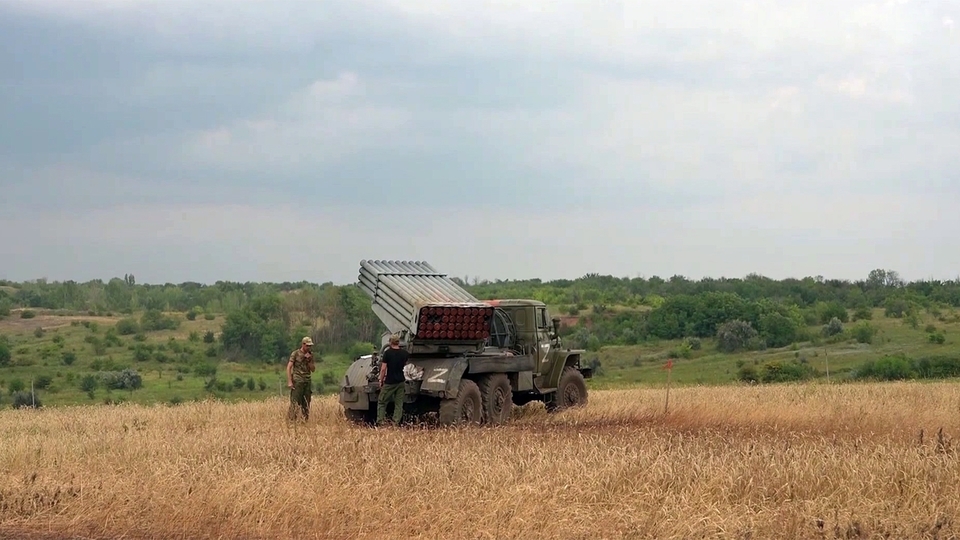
x=14 y=324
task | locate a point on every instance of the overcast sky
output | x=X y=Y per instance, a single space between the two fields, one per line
x=287 y=140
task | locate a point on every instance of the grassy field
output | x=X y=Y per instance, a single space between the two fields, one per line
x=782 y=461
x=629 y=366
x=56 y=352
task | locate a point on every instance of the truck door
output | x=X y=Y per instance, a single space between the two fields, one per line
x=543 y=335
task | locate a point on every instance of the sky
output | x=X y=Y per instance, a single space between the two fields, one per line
x=284 y=140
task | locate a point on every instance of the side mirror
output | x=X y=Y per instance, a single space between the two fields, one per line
x=556 y=326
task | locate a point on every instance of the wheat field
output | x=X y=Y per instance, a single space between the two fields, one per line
x=806 y=461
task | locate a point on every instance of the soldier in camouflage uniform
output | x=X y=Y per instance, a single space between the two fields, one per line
x=299 y=369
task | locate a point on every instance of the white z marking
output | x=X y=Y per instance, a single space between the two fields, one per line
x=437 y=373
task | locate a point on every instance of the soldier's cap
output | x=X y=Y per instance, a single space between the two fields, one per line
x=307 y=341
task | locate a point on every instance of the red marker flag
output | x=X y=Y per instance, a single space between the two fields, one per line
x=669 y=365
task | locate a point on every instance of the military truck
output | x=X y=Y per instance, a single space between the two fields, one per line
x=471 y=361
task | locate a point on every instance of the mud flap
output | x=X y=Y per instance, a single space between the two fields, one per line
x=441 y=376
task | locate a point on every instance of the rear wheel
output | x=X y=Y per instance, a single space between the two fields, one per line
x=497 y=398
x=571 y=392
x=463 y=409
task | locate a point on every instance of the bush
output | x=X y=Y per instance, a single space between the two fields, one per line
x=828 y=311
x=205 y=370
x=88 y=383
x=68 y=358
x=6 y=356
x=127 y=327
x=888 y=368
x=939 y=338
x=127 y=379
x=693 y=342
x=360 y=348
x=832 y=328
x=735 y=335
x=864 y=332
x=251 y=385
x=42 y=382
x=153 y=320
x=863 y=313
x=27 y=314
x=24 y=400
x=208 y=337
x=938 y=367
x=776 y=371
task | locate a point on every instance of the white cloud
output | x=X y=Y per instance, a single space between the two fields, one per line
x=686 y=137
x=329 y=120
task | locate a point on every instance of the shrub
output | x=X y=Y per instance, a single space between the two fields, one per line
x=832 y=310
x=24 y=400
x=693 y=342
x=735 y=335
x=127 y=379
x=930 y=328
x=251 y=385
x=43 y=382
x=863 y=313
x=5 y=354
x=205 y=370
x=27 y=314
x=154 y=319
x=127 y=327
x=209 y=316
x=68 y=358
x=939 y=338
x=888 y=368
x=864 y=332
x=938 y=367
x=39 y=332
x=360 y=348
x=208 y=337
x=88 y=383
x=832 y=328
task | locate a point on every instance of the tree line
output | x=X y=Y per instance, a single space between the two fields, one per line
x=265 y=320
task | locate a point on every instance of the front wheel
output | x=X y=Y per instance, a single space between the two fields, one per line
x=497 y=396
x=571 y=392
x=463 y=409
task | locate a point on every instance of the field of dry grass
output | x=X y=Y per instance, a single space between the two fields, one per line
x=812 y=461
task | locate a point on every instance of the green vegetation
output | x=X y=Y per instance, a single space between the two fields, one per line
x=122 y=341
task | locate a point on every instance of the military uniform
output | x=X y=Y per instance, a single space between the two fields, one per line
x=302 y=392
x=392 y=384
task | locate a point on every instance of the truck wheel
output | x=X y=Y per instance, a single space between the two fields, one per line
x=497 y=396
x=571 y=392
x=463 y=409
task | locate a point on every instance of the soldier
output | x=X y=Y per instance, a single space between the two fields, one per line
x=299 y=368
x=392 y=381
